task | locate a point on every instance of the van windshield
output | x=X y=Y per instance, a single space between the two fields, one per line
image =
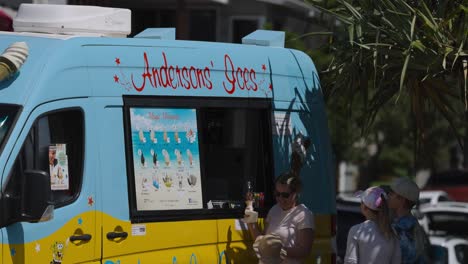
x=7 y=117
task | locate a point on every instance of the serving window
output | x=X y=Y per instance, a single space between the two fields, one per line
x=191 y=158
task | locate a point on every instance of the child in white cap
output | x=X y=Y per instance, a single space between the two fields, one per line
x=373 y=241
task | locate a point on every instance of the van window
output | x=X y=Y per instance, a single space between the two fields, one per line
x=236 y=150
x=192 y=159
x=55 y=145
x=439 y=254
x=8 y=115
x=461 y=251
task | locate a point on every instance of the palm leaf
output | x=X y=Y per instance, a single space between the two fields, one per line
x=352 y=10
x=412 y=48
x=403 y=71
x=459 y=52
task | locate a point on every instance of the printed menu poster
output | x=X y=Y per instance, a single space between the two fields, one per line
x=58 y=166
x=166 y=159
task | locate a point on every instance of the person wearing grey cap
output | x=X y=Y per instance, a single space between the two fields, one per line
x=403 y=195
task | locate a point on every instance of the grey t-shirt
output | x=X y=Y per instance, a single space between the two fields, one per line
x=366 y=244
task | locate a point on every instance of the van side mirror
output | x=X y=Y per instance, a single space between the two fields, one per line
x=36 y=197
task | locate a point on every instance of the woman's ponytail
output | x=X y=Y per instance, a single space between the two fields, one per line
x=383 y=219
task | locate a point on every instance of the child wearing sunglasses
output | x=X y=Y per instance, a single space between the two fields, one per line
x=289 y=226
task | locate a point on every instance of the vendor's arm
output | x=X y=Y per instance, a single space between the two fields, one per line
x=303 y=245
x=254 y=230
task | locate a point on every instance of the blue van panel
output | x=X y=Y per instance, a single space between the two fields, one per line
x=290 y=120
x=113 y=180
x=265 y=38
x=17 y=89
x=127 y=66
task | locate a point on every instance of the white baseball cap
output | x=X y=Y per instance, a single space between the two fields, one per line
x=372 y=197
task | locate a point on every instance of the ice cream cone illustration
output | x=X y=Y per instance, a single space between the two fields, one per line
x=165 y=138
x=176 y=137
x=192 y=180
x=155 y=183
x=142 y=158
x=167 y=180
x=145 y=184
x=190 y=157
x=180 y=178
x=189 y=135
x=167 y=159
x=141 y=136
x=60 y=175
x=178 y=156
x=155 y=158
x=152 y=137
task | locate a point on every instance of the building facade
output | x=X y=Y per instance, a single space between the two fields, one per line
x=218 y=20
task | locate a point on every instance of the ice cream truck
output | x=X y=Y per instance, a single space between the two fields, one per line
x=138 y=150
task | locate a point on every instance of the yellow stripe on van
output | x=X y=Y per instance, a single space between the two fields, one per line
x=57 y=246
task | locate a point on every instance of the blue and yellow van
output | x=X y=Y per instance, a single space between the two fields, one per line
x=138 y=150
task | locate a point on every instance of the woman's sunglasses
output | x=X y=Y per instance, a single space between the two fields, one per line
x=282 y=194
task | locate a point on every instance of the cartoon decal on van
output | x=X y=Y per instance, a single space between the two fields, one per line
x=57 y=252
x=175 y=76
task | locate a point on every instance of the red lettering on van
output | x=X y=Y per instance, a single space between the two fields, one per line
x=243 y=78
x=190 y=77
x=230 y=78
x=173 y=76
x=146 y=74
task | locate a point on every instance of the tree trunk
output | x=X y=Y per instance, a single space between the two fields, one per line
x=465 y=141
x=464 y=95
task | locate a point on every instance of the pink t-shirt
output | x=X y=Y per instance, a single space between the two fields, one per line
x=287 y=223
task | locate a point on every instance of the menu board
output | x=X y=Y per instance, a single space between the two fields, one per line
x=166 y=159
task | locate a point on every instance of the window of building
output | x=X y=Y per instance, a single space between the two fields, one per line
x=203 y=25
x=55 y=145
x=242 y=26
x=192 y=159
x=152 y=18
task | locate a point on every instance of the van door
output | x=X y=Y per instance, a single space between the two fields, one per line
x=8 y=116
x=52 y=141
